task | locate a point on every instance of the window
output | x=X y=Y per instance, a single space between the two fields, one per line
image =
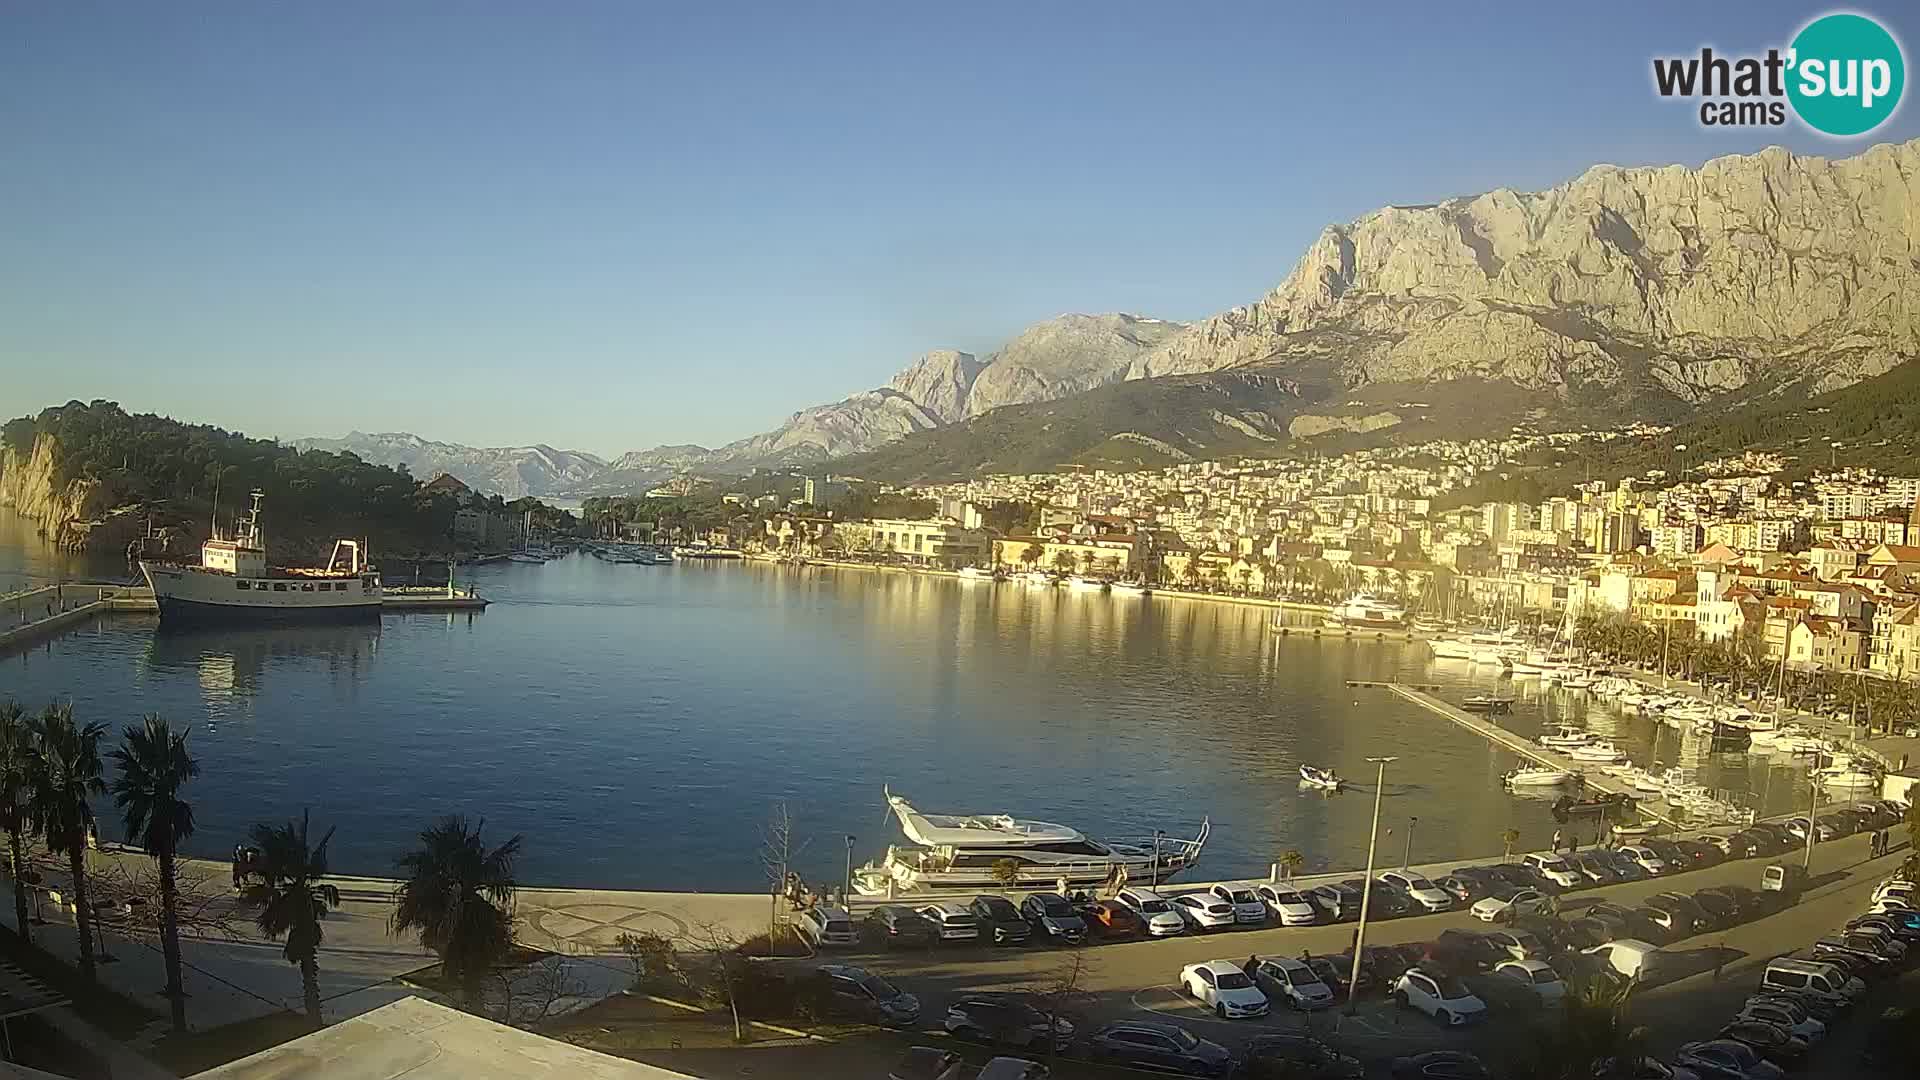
x=307 y=587
x=279 y=586
x=241 y=585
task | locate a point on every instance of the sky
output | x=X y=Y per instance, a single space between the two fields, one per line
x=606 y=226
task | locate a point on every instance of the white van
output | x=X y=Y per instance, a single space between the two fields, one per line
x=1812 y=978
x=1631 y=957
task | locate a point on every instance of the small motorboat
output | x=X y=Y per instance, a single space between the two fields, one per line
x=1487 y=703
x=1564 y=737
x=1130 y=588
x=1645 y=828
x=1601 y=750
x=1537 y=776
x=1324 y=779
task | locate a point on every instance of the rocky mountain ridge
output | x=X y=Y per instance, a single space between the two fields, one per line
x=508 y=471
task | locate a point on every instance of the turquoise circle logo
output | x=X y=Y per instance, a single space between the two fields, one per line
x=1847 y=74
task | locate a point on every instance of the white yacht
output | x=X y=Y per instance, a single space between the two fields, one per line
x=1083 y=583
x=976 y=573
x=1598 y=750
x=1363 y=609
x=962 y=851
x=233 y=581
x=1537 y=776
x=1446 y=648
x=1131 y=588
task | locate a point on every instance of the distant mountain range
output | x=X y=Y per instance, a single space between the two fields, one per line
x=1650 y=292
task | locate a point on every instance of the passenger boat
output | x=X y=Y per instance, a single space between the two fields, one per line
x=233 y=581
x=966 y=852
x=1326 y=779
x=1363 y=610
x=1537 y=776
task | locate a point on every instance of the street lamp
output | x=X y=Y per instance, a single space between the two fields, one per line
x=1155 y=880
x=1366 y=885
x=1408 y=857
x=1813 y=803
x=846 y=887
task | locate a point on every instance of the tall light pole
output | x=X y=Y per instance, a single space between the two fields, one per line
x=846 y=886
x=1157 y=835
x=1408 y=857
x=1366 y=884
x=1813 y=803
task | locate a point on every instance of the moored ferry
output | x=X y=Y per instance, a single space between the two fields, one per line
x=234 y=582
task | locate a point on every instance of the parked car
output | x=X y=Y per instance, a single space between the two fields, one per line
x=1536 y=975
x=1293 y=981
x=1596 y=870
x=1770 y=1042
x=1224 y=987
x=1514 y=875
x=1290 y=1056
x=1008 y=1068
x=1683 y=855
x=1719 y=907
x=1464 y=890
x=1794 y=1021
x=1154 y=912
x=928 y=1063
x=1727 y=1059
x=1205 y=912
x=1005 y=1020
x=1288 y=906
x=954 y=922
x=1503 y=905
x=1515 y=945
x=1442 y=997
x=1000 y=920
x=1865 y=955
x=1440 y=1065
x=1053 y=917
x=1462 y=952
x=860 y=994
x=1631 y=957
x=1112 y=919
x=1388 y=962
x=1689 y=917
x=1418 y=889
x=1165 y=1047
x=1337 y=972
x=1553 y=868
x=1648 y=859
x=1382 y=903
x=897 y=924
x=826 y=926
x=1628 y=869
x=1248 y=908
x=1337 y=902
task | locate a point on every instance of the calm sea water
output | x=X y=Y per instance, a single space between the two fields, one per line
x=638 y=723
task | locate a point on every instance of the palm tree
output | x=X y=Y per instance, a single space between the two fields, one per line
x=63 y=772
x=153 y=762
x=458 y=895
x=1291 y=860
x=290 y=899
x=16 y=752
x=1592 y=1039
x=1507 y=840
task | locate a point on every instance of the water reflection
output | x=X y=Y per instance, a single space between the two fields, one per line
x=235 y=661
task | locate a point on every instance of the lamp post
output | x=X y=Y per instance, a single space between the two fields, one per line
x=846 y=887
x=1408 y=857
x=1366 y=885
x=1813 y=803
x=1155 y=882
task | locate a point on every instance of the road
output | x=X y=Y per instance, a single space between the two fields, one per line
x=1137 y=979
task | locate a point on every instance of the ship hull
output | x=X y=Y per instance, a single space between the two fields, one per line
x=174 y=609
x=192 y=595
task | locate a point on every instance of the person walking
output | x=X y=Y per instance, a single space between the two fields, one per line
x=1573 y=843
x=1556 y=841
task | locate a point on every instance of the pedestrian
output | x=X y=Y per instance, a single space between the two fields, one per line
x=1252 y=965
x=1573 y=842
x=1306 y=957
x=1556 y=841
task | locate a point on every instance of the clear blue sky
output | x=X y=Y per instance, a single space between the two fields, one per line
x=611 y=225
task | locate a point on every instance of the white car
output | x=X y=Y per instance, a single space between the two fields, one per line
x=1778 y=1015
x=1648 y=859
x=1894 y=888
x=825 y=925
x=1291 y=908
x=1247 y=907
x=953 y=922
x=1443 y=998
x=1155 y=913
x=1289 y=979
x=1500 y=909
x=1517 y=944
x=1223 y=987
x=1425 y=893
x=1536 y=974
x=1204 y=911
x=1554 y=869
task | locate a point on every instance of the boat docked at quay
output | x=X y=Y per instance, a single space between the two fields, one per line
x=1363 y=610
x=965 y=852
x=234 y=583
x=1537 y=776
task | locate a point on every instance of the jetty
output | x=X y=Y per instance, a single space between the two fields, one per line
x=1530 y=750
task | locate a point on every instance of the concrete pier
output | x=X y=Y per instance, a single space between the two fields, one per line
x=1528 y=749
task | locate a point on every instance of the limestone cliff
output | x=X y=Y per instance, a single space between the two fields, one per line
x=1746 y=275
x=63 y=510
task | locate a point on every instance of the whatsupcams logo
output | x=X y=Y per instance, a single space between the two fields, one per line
x=1842 y=75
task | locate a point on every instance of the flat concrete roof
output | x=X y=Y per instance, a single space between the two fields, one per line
x=418 y=1040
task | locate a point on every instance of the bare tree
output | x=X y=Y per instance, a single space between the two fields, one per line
x=777 y=854
x=718 y=977
x=130 y=891
x=524 y=995
x=1060 y=992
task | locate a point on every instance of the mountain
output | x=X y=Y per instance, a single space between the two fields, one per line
x=1659 y=292
x=1744 y=276
x=509 y=471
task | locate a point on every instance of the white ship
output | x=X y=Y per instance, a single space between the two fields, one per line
x=963 y=852
x=233 y=582
x=1362 y=609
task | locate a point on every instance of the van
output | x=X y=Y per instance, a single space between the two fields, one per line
x=1817 y=980
x=1783 y=878
x=1631 y=957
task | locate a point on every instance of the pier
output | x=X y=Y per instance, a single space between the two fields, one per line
x=1530 y=750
